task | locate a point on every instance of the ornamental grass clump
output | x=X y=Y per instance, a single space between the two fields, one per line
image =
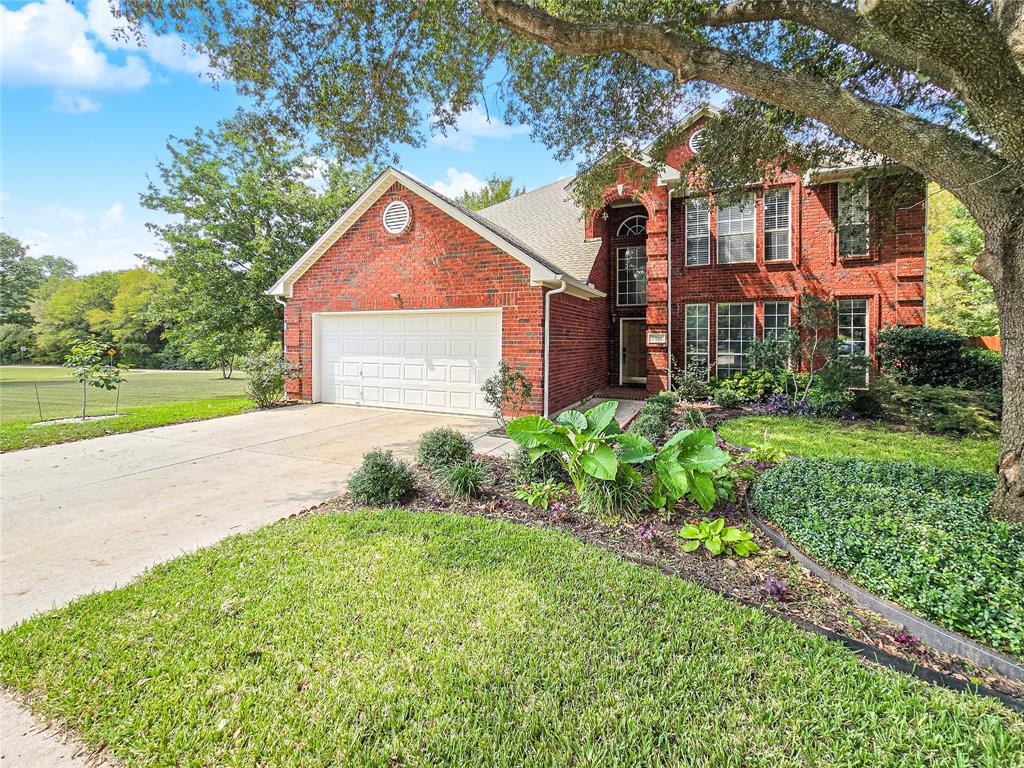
x=466 y=480
x=920 y=536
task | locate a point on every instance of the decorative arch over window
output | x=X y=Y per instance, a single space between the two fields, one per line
x=633 y=226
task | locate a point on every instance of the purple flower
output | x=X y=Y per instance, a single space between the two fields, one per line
x=775 y=588
x=910 y=643
x=779 y=404
x=645 y=533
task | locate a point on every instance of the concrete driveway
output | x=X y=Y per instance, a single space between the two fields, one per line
x=92 y=515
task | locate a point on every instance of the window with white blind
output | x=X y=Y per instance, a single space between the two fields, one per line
x=698 y=233
x=736 y=240
x=632 y=276
x=734 y=334
x=852 y=328
x=852 y=226
x=776 y=224
x=776 y=319
x=697 y=338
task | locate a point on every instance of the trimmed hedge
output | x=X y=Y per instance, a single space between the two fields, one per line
x=917 y=535
x=934 y=357
x=655 y=417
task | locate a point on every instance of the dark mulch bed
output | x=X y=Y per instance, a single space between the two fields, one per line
x=806 y=598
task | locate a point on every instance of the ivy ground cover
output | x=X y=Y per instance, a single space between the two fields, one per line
x=400 y=638
x=920 y=536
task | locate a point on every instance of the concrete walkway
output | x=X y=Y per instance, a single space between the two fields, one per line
x=92 y=515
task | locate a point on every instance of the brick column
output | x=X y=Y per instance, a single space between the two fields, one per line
x=657 y=287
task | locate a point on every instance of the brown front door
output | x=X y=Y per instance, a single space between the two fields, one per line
x=633 y=354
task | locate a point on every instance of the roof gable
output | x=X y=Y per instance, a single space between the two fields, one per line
x=541 y=271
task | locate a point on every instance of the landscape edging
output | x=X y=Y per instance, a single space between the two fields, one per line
x=941 y=639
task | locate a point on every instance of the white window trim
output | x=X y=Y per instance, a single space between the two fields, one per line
x=618 y=257
x=867 y=333
x=707 y=338
x=753 y=234
x=753 y=306
x=764 y=315
x=618 y=232
x=789 y=227
x=867 y=223
x=686 y=235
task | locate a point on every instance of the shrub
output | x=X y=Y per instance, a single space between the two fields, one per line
x=441 y=448
x=507 y=389
x=756 y=385
x=829 y=404
x=942 y=410
x=545 y=468
x=982 y=369
x=664 y=398
x=381 y=479
x=917 y=535
x=267 y=370
x=934 y=357
x=466 y=480
x=726 y=396
x=691 y=385
x=610 y=501
x=649 y=425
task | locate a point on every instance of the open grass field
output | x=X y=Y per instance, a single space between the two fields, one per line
x=415 y=639
x=147 y=399
x=828 y=439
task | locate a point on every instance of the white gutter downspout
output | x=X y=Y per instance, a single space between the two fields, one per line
x=669 y=340
x=547 y=337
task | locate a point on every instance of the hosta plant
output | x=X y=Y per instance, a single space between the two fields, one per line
x=717 y=538
x=541 y=495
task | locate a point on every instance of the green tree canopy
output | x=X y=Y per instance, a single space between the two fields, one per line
x=20 y=278
x=497 y=189
x=243 y=211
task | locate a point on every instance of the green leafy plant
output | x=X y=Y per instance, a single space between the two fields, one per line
x=541 y=495
x=650 y=425
x=717 y=538
x=690 y=383
x=441 y=448
x=941 y=410
x=726 y=480
x=757 y=385
x=507 y=390
x=90 y=361
x=611 y=501
x=381 y=479
x=267 y=370
x=466 y=480
x=581 y=441
x=727 y=396
x=765 y=453
x=546 y=467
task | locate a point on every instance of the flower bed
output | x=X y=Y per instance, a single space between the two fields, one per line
x=919 y=536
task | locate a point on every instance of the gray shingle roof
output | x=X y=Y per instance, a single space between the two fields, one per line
x=550 y=223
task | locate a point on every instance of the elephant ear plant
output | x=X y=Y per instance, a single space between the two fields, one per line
x=583 y=443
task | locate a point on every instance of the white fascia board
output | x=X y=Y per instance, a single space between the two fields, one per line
x=539 y=273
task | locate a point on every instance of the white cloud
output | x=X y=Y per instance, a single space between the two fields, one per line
x=104 y=238
x=71 y=103
x=169 y=51
x=459 y=182
x=46 y=43
x=473 y=125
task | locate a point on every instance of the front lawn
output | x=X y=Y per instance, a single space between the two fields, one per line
x=148 y=398
x=397 y=638
x=828 y=439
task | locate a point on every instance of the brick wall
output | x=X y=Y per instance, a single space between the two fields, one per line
x=435 y=263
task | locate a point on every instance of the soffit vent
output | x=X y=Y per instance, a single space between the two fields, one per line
x=396 y=217
x=696 y=138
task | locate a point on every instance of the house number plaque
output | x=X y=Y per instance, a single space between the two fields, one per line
x=657 y=339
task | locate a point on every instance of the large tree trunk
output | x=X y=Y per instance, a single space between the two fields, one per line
x=1007 y=242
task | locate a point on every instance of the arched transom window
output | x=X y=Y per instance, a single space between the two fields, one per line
x=633 y=226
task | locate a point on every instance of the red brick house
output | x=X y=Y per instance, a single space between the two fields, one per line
x=410 y=300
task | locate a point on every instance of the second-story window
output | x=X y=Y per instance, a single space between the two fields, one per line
x=736 y=241
x=776 y=224
x=631 y=283
x=852 y=226
x=698 y=233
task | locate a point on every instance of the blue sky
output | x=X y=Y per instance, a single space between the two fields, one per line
x=85 y=118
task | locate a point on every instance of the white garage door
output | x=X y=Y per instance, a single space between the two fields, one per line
x=431 y=361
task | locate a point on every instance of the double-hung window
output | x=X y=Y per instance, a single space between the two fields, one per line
x=735 y=332
x=776 y=319
x=776 y=224
x=697 y=339
x=853 y=334
x=852 y=226
x=736 y=240
x=698 y=233
x=632 y=276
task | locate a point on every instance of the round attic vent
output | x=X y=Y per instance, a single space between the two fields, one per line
x=695 y=140
x=396 y=216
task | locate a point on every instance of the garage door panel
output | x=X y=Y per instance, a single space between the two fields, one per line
x=432 y=360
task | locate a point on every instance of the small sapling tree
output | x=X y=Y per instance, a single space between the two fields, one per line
x=91 y=362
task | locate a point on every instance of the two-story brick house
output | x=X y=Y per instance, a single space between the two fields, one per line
x=410 y=300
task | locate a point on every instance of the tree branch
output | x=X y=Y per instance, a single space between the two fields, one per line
x=1010 y=18
x=950 y=158
x=841 y=24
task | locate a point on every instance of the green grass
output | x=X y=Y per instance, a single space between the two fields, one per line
x=827 y=439
x=148 y=399
x=395 y=638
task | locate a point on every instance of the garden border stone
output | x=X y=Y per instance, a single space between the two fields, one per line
x=940 y=638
